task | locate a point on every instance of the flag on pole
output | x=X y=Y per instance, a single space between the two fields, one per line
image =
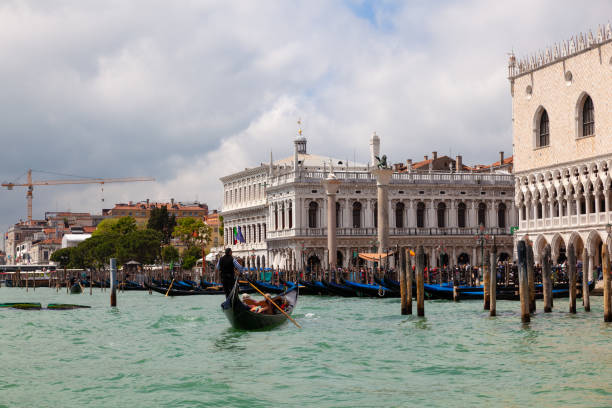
x=235 y=235
x=240 y=236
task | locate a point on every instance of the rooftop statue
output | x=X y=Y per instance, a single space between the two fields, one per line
x=382 y=163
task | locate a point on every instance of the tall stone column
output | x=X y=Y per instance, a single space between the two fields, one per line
x=383 y=177
x=331 y=187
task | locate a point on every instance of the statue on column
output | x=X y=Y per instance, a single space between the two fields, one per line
x=382 y=162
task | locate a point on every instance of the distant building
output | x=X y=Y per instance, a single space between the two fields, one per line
x=34 y=242
x=216 y=237
x=276 y=214
x=141 y=211
x=72 y=240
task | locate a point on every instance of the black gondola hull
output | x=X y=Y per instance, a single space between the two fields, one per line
x=241 y=317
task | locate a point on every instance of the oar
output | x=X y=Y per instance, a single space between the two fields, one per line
x=170 y=287
x=271 y=301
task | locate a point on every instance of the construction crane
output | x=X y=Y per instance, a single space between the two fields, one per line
x=30 y=185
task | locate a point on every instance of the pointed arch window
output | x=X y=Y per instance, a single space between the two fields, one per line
x=461 y=215
x=313 y=207
x=588 y=117
x=544 y=132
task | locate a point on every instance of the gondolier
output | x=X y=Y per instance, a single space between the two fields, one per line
x=226 y=266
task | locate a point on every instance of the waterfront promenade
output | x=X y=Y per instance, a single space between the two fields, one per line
x=157 y=351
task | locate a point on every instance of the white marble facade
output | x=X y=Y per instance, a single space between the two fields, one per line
x=281 y=210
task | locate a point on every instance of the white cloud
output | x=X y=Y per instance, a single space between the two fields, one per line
x=191 y=91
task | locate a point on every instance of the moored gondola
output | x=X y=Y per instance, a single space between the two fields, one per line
x=339 y=289
x=241 y=317
x=269 y=287
x=76 y=289
x=181 y=292
x=365 y=290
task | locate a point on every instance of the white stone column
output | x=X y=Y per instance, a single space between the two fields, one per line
x=607 y=199
x=597 y=201
x=383 y=178
x=331 y=186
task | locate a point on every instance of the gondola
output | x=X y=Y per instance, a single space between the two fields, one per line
x=445 y=291
x=241 y=317
x=313 y=288
x=180 y=292
x=365 y=290
x=339 y=290
x=268 y=287
x=65 y=306
x=21 y=305
x=76 y=289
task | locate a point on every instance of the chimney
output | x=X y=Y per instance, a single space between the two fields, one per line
x=435 y=155
x=459 y=163
x=425 y=157
x=409 y=164
x=147 y=202
x=501 y=158
x=172 y=201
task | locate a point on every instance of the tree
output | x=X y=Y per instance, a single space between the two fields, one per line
x=191 y=256
x=122 y=226
x=159 y=220
x=192 y=232
x=62 y=257
x=170 y=254
x=143 y=246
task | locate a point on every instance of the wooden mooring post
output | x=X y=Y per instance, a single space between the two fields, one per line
x=523 y=280
x=607 y=290
x=571 y=274
x=586 y=302
x=546 y=279
x=406 y=296
x=113 y=284
x=420 y=266
x=409 y=279
x=486 y=281
x=493 y=282
x=531 y=279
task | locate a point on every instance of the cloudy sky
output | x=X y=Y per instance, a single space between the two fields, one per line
x=188 y=91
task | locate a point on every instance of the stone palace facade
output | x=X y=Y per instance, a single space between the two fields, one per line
x=280 y=209
x=562 y=129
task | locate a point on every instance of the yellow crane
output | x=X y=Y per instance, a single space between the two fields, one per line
x=30 y=185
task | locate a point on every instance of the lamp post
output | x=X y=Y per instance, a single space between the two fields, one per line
x=252 y=260
x=302 y=260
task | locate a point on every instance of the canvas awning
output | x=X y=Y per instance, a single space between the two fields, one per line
x=211 y=257
x=373 y=257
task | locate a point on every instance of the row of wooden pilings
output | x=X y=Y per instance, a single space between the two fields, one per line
x=526 y=282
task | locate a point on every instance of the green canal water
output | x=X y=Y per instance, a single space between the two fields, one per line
x=154 y=351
